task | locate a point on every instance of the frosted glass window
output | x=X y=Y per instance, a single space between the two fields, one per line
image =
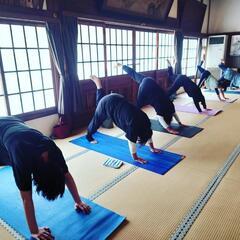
x=3 y=109
x=189 y=59
x=47 y=79
x=42 y=37
x=39 y=100
x=84 y=32
x=26 y=69
x=165 y=49
x=8 y=60
x=27 y=102
x=36 y=80
x=45 y=58
x=24 y=81
x=21 y=59
x=15 y=104
x=33 y=56
x=49 y=96
x=11 y=83
x=18 y=36
x=5 y=39
x=31 y=37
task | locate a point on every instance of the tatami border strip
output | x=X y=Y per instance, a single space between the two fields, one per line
x=197 y=207
x=113 y=182
x=11 y=230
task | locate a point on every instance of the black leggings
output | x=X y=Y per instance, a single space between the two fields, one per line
x=108 y=123
x=197 y=105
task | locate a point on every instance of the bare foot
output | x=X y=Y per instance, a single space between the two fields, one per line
x=97 y=81
x=118 y=65
x=169 y=63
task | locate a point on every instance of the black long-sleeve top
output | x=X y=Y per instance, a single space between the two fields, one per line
x=134 y=122
x=150 y=93
x=189 y=87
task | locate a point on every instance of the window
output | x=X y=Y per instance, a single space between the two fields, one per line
x=146 y=54
x=90 y=51
x=100 y=48
x=165 y=49
x=119 y=49
x=26 y=83
x=189 y=60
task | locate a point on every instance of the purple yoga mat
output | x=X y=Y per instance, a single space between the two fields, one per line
x=232 y=100
x=192 y=109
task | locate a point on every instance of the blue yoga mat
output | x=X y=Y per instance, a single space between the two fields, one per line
x=118 y=148
x=186 y=131
x=58 y=215
x=228 y=91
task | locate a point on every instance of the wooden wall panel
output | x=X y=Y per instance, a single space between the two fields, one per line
x=122 y=84
x=162 y=78
x=93 y=9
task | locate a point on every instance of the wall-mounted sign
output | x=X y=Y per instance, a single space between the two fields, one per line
x=156 y=9
x=235 y=46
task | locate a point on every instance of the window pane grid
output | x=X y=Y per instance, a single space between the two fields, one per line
x=90 y=51
x=146 y=51
x=119 y=49
x=165 y=49
x=189 y=59
x=27 y=68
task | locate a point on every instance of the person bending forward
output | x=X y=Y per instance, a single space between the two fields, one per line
x=134 y=122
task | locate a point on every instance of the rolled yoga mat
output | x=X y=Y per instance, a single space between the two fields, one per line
x=184 y=131
x=118 y=148
x=58 y=215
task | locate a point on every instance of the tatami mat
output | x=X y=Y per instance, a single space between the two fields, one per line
x=220 y=218
x=90 y=174
x=154 y=205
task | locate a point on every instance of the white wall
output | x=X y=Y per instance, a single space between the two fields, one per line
x=173 y=10
x=44 y=124
x=224 y=16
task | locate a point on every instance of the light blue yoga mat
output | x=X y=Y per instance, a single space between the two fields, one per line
x=58 y=215
x=228 y=91
x=118 y=148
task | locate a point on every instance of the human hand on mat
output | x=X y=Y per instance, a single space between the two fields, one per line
x=43 y=234
x=170 y=130
x=182 y=125
x=82 y=207
x=138 y=159
x=155 y=150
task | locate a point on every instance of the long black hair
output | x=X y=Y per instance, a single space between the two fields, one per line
x=48 y=176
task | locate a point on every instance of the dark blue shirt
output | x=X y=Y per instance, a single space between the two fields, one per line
x=133 y=121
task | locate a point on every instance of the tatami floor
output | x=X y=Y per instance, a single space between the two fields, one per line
x=153 y=204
